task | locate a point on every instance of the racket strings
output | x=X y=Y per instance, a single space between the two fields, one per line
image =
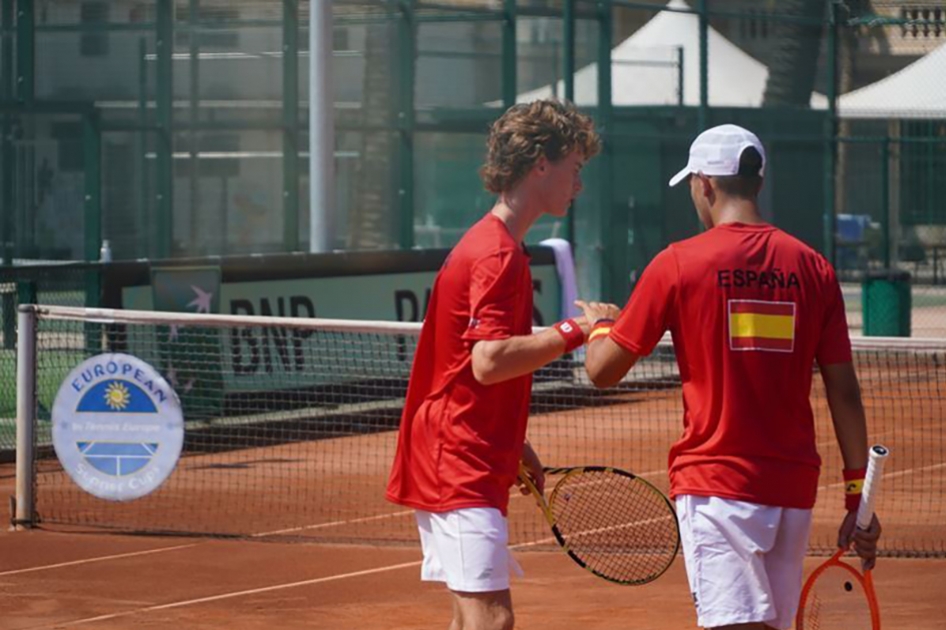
x=619 y=526
x=836 y=601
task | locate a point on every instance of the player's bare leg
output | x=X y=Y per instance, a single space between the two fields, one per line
x=483 y=611
x=457 y=623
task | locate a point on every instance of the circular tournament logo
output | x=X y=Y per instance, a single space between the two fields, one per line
x=118 y=429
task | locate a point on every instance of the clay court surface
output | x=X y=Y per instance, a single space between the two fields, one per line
x=330 y=489
x=325 y=492
x=65 y=580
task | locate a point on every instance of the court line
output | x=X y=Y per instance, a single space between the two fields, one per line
x=302 y=528
x=381 y=517
x=97 y=559
x=550 y=539
x=534 y=543
x=827 y=442
x=899 y=473
x=231 y=595
x=365 y=519
x=512 y=496
x=265 y=589
x=908 y=471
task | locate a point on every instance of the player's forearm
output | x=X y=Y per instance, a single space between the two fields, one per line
x=499 y=360
x=850 y=427
x=605 y=361
x=606 y=364
x=847 y=413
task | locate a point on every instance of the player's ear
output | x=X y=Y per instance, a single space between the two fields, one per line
x=700 y=185
x=709 y=188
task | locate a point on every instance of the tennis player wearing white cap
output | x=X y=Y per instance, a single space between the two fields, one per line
x=750 y=309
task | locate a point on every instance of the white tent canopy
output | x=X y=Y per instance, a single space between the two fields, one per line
x=917 y=91
x=644 y=69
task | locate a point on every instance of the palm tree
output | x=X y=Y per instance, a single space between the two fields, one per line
x=796 y=46
x=852 y=37
x=371 y=214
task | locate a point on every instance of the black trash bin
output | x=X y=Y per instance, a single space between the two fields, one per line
x=886 y=302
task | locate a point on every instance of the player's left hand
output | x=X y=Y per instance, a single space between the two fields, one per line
x=864 y=541
x=533 y=466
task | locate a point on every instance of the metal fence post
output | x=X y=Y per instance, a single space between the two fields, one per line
x=568 y=65
x=290 y=121
x=25 y=51
x=703 y=111
x=509 y=53
x=613 y=225
x=7 y=153
x=407 y=46
x=92 y=148
x=885 y=198
x=830 y=136
x=194 y=35
x=164 y=43
x=92 y=162
x=141 y=160
x=568 y=60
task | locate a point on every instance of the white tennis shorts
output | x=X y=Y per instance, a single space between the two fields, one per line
x=467 y=549
x=743 y=560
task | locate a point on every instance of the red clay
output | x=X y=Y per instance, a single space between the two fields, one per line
x=555 y=595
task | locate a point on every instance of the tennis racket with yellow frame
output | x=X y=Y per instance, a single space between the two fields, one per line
x=610 y=522
x=837 y=594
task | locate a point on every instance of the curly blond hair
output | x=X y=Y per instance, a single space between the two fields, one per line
x=528 y=131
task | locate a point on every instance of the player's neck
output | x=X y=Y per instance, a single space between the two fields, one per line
x=734 y=210
x=516 y=213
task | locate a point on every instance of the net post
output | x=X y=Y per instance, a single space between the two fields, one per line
x=25 y=416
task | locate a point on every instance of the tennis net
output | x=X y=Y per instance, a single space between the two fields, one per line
x=290 y=428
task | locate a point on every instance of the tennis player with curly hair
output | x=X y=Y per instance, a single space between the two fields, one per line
x=750 y=309
x=463 y=428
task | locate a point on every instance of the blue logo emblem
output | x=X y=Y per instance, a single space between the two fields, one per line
x=117 y=427
x=117 y=459
x=116 y=396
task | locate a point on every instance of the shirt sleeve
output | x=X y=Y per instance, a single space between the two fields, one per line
x=646 y=317
x=495 y=291
x=834 y=346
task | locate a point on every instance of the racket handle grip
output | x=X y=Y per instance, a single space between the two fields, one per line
x=875 y=466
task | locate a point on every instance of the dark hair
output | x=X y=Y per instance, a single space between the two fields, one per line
x=528 y=131
x=748 y=181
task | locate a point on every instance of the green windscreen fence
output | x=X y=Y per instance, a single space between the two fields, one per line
x=201 y=148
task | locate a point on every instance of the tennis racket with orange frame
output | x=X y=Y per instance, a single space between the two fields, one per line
x=837 y=594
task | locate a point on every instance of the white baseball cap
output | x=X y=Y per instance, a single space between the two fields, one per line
x=716 y=152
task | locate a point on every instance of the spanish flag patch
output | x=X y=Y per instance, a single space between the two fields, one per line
x=761 y=325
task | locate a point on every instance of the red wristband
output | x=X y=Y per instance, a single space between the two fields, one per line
x=853 y=486
x=572 y=334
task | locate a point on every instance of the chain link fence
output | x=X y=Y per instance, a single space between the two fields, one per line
x=35 y=282
x=200 y=147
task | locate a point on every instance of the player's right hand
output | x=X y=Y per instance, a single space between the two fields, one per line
x=598 y=310
x=864 y=541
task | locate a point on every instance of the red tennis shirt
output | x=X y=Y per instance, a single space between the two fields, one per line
x=460 y=442
x=750 y=309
